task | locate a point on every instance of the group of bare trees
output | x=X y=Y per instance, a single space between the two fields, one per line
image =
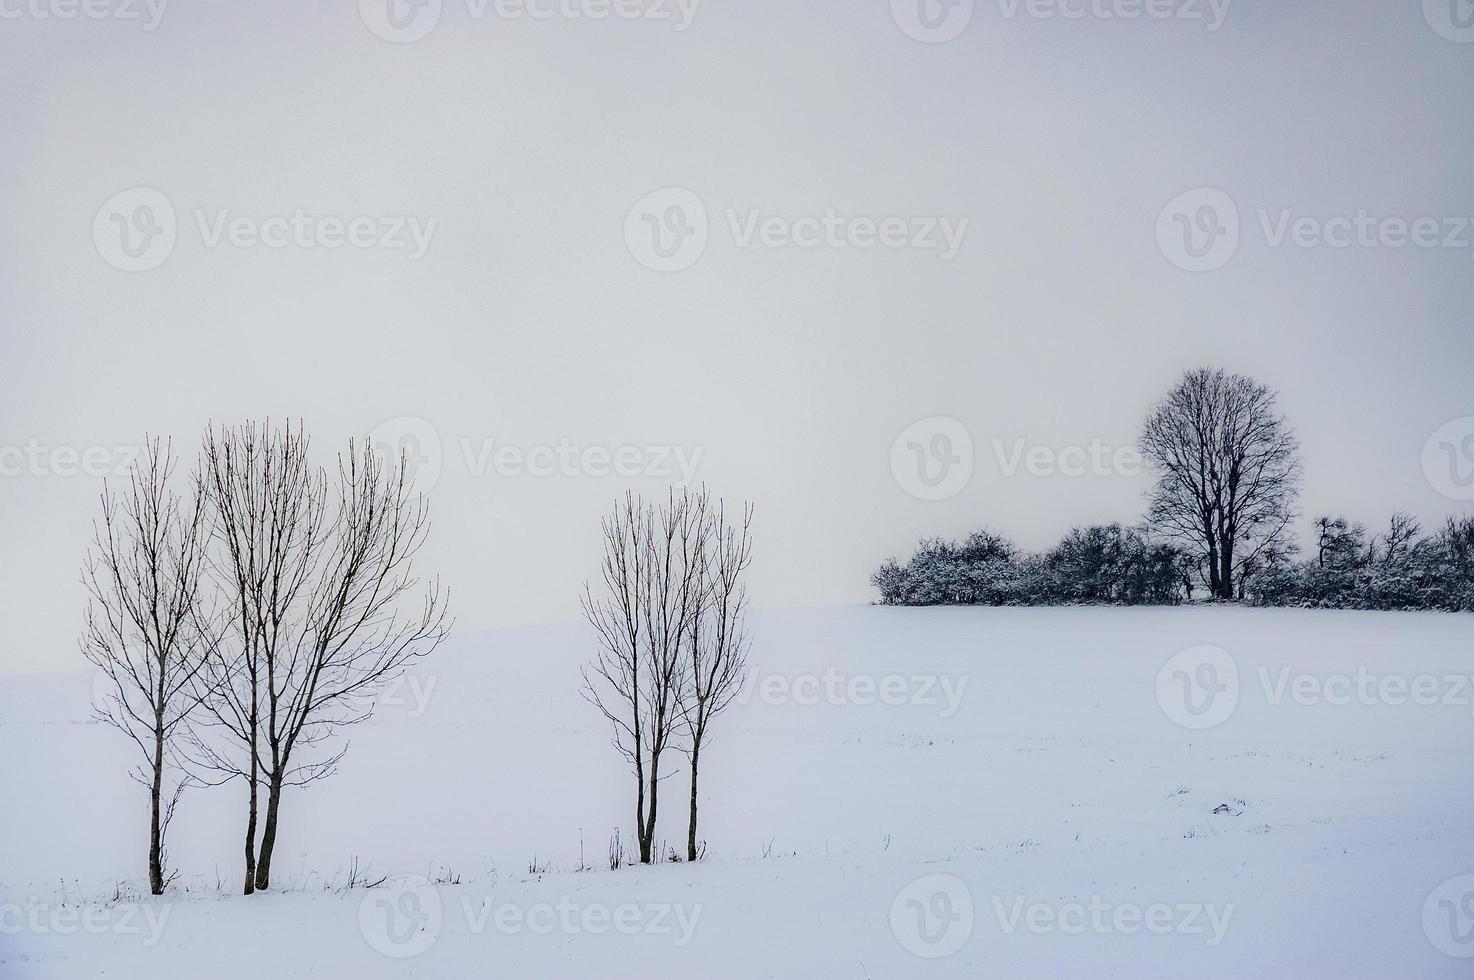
x=670 y=621
x=240 y=621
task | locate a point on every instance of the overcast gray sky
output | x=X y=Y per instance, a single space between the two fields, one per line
x=869 y=215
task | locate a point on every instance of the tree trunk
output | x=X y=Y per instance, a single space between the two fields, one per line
x=1226 y=575
x=691 y=825
x=155 y=818
x=268 y=835
x=640 y=809
x=251 y=838
x=647 y=832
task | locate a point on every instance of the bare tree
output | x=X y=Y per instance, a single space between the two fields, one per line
x=1402 y=536
x=143 y=576
x=269 y=507
x=1227 y=469
x=317 y=585
x=716 y=662
x=652 y=589
x=1341 y=542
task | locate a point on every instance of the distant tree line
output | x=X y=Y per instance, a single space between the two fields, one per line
x=1218 y=526
x=1401 y=568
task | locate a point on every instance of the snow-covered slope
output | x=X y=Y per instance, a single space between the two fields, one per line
x=900 y=792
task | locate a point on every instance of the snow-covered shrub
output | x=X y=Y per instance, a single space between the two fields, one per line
x=1110 y=564
x=1399 y=569
x=1348 y=568
x=983 y=570
x=1107 y=564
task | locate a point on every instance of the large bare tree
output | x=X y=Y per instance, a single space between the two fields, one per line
x=716 y=662
x=1227 y=471
x=146 y=627
x=642 y=616
x=317 y=575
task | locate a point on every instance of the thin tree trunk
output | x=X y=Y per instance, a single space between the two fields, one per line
x=647 y=832
x=155 y=820
x=251 y=827
x=268 y=835
x=691 y=826
x=640 y=838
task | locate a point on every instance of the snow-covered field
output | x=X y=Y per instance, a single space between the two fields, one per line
x=902 y=792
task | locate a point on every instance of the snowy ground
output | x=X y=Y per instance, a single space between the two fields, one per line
x=1025 y=805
